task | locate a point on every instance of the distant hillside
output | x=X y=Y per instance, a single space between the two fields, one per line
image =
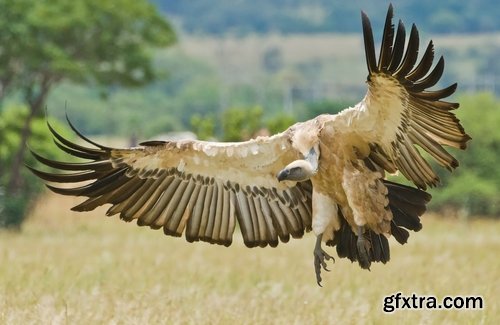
x=241 y=17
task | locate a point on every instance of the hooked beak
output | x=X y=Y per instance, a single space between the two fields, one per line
x=283 y=175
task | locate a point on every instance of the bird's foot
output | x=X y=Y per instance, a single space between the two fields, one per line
x=364 y=247
x=320 y=258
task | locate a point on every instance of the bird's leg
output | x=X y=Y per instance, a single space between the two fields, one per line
x=363 y=249
x=319 y=259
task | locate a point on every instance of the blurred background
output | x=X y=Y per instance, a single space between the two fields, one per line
x=130 y=70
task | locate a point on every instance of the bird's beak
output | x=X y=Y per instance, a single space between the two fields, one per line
x=282 y=175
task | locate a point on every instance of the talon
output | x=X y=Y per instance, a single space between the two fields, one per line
x=320 y=258
x=317 y=269
x=328 y=257
x=363 y=246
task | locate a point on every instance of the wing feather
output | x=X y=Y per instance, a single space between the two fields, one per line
x=141 y=203
x=399 y=47
x=232 y=222
x=272 y=208
x=387 y=39
x=205 y=213
x=194 y=222
x=371 y=60
x=200 y=188
x=256 y=230
x=148 y=215
x=244 y=219
x=399 y=111
x=411 y=54
x=174 y=225
x=212 y=213
x=424 y=65
x=225 y=216
x=218 y=217
x=431 y=79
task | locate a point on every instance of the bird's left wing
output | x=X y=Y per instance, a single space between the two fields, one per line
x=399 y=114
x=200 y=188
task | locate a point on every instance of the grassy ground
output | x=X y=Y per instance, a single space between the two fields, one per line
x=340 y=57
x=68 y=268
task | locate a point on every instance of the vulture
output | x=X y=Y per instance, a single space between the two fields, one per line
x=327 y=174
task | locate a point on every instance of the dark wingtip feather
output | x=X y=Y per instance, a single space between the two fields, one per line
x=407 y=204
x=430 y=80
x=73 y=145
x=63 y=178
x=425 y=64
x=398 y=47
x=369 y=43
x=411 y=54
x=76 y=153
x=386 y=46
x=82 y=136
x=65 y=191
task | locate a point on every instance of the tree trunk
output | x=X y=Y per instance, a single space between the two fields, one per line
x=35 y=103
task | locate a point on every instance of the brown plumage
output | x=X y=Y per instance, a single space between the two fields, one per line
x=325 y=174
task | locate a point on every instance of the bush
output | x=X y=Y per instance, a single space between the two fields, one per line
x=241 y=123
x=203 y=126
x=324 y=107
x=475 y=186
x=280 y=123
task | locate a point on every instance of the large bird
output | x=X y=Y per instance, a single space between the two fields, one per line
x=326 y=174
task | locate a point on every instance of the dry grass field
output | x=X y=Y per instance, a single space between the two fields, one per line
x=341 y=56
x=68 y=268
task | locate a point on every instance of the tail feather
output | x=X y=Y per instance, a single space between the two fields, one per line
x=345 y=241
x=399 y=233
x=407 y=204
x=380 y=247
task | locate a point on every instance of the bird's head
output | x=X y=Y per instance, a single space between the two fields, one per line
x=298 y=170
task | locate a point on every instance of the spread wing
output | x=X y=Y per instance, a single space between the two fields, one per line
x=399 y=115
x=200 y=188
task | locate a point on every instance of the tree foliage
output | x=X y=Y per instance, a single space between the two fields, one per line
x=103 y=41
x=240 y=124
x=280 y=122
x=107 y=43
x=323 y=107
x=203 y=126
x=475 y=186
x=13 y=207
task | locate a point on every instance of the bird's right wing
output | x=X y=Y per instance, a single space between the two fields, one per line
x=202 y=189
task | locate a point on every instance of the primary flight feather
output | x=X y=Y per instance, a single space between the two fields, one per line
x=325 y=174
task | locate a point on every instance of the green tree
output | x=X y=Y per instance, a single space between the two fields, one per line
x=203 y=126
x=279 y=123
x=324 y=107
x=241 y=123
x=13 y=208
x=43 y=42
x=106 y=43
x=475 y=186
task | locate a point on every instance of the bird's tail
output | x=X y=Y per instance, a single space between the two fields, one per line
x=407 y=204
